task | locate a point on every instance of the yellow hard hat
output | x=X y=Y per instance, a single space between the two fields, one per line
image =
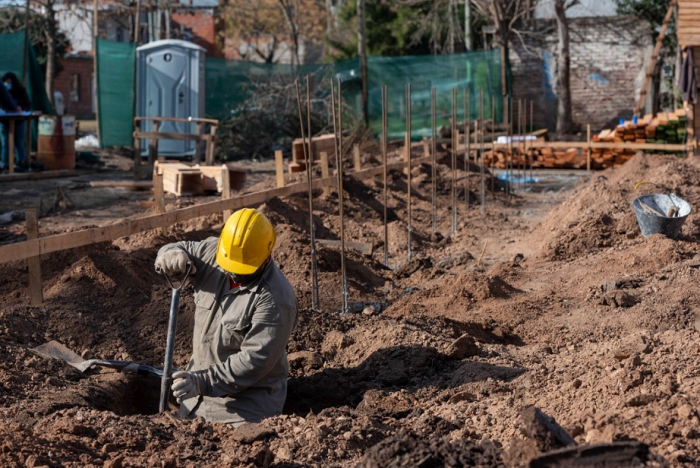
x=245 y=242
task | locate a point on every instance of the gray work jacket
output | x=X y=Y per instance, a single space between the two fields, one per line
x=240 y=339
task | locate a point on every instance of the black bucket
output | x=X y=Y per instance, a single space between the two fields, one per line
x=651 y=223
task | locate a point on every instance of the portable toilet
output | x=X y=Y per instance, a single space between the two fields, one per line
x=170 y=84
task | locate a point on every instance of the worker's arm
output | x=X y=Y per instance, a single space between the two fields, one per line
x=262 y=347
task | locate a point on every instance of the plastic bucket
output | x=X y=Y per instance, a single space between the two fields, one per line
x=650 y=223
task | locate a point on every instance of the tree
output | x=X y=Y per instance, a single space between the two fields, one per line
x=265 y=26
x=49 y=43
x=565 y=122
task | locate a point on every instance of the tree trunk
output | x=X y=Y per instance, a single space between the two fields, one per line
x=564 y=121
x=293 y=32
x=50 y=49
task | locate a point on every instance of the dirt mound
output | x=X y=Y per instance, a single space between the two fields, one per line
x=599 y=214
x=405 y=449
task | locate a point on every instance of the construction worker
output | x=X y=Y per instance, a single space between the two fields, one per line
x=245 y=313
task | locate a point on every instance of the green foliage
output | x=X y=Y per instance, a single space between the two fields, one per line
x=12 y=20
x=391 y=29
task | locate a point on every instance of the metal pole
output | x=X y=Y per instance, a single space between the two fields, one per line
x=314 y=304
x=509 y=159
x=454 y=161
x=481 y=151
x=493 y=147
x=531 y=155
x=341 y=197
x=434 y=160
x=385 y=105
x=408 y=163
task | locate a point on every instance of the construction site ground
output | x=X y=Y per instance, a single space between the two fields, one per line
x=551 y=298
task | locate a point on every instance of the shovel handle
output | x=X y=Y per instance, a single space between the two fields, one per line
x=184 y=280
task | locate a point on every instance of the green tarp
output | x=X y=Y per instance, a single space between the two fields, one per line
x=228 y=85
x=115 y=96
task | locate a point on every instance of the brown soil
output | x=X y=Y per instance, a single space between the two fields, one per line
x=552 y=299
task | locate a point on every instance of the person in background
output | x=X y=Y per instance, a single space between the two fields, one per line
x=20 y=96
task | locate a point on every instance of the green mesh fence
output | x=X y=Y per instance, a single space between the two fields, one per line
x=115 y=95
x=228 y=86
x=11 y=60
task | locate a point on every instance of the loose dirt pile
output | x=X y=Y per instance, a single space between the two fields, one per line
x=573 y=313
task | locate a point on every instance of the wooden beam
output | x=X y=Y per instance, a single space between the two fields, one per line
x=364 y=248
x=324 y=171
x=279 y=168
x=41 y=175
x=226 y=189
x=127 y=184
x=170 y=136
x=177 y=119
x=36 y=296
x=153 y=144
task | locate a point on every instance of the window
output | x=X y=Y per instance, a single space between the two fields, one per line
x=75 y=87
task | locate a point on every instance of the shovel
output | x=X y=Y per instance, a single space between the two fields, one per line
x=170 y=343
x=56 y=350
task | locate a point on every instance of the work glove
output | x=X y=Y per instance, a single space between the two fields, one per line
x=188 y=385
x=173 y=262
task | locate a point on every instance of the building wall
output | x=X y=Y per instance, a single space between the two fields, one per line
x=201 y=26
x=583 y=9
x=609 y=56
x=75 y=83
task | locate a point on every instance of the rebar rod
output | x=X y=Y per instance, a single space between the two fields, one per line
x=481 y=151
x=314 y=302
x=434 y=159
x=341 y=198
x=468 y=142
x=493 y=146
x=454 y=161
x=311 y=192
x=385 y=105
x=407 y=97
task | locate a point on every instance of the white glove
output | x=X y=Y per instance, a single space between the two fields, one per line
x=173 y=262
x=188 y=385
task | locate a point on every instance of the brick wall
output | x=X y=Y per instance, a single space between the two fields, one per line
x=609 y=56
x=205 y=26
x=75 y=82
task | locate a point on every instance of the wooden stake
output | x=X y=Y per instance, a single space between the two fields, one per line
x=356 y=157
x=211 y=145
x=324 y=171
x=36 y=296
x=385 y=127
x=158 y=193
x=588 y=150
x=198 y=144
x=279 y=168
x=408 y=170
x=137 y=151
x=434 y=163
x=153 y=145
x=481 y=255
x=11 y=144
x=225 y=188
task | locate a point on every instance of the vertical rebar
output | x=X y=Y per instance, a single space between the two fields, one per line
x=468 y=138
x=314 y=292
x=454 y=161
x=510 y=148
x=407 y=97
x=385 y=105
x=341 y=198
x=434 y=158
x=532 y=103
x=493 y=145
x=481 y=151
x=311 y=193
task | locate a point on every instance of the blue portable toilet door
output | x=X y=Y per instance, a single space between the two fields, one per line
x=168 y=77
